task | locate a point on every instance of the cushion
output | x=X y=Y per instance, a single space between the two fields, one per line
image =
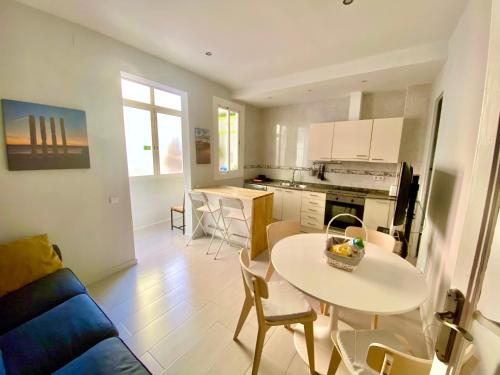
x=38 y=297
x=284 y=302
x=47 y=342
x=110 y=356
x=353 y=347
x=26 y=260
x=2 y=368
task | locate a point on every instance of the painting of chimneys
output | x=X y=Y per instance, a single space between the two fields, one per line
x=40 y=136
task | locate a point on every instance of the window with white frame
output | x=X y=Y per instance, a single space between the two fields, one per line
x=229 y=124
x=153 y=129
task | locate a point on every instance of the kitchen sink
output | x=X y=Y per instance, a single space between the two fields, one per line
x=295 y=186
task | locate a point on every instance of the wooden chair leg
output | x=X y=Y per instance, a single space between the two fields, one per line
x=245 y=310
x=259 y=345
x=270 y=271
x=334 y=361
x=374 y=322
x=322 y=308
x=309 y=333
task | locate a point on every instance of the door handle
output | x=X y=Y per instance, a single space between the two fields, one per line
x=441 y=318
x=450 y=318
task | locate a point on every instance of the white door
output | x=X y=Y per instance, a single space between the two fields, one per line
x=386 y=140
x=475 y=265
x=320 y=141
x=292 y=200
x=351 y=140
x=476 y=276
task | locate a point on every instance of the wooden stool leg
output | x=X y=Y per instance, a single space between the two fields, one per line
x=171 y=220
x=309 y=333
x=375 y=322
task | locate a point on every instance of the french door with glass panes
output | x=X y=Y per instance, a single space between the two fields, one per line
x=153 y=129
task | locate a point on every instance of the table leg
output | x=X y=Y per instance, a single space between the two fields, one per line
x=323 y=344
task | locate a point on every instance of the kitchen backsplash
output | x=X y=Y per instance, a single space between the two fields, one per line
x=352 y=174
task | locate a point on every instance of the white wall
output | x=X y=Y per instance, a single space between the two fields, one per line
x=51 y=61
x=152 y=196
x=285 y=133
x=462 y=81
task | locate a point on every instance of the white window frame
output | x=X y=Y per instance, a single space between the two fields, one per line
x=154 y=109
x=234 y=107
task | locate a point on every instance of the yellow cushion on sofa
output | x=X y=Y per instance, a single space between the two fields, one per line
x=26 y=260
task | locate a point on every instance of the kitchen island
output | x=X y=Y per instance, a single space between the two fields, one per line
x=259 y=204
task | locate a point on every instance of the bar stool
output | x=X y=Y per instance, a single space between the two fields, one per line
x=232 y=209
x=201 y=205
x=179 y=209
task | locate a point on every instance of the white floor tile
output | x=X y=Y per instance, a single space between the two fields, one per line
x=151 y=364
x=178 y=308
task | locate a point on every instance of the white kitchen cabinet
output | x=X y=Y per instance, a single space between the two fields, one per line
x=313 y=210
x=291 y=204
x=351 y=140
x=378 y=213
x=320 y=141
x=386 y=140
x=277 y=202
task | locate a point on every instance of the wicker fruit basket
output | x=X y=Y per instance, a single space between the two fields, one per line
x=347 y=263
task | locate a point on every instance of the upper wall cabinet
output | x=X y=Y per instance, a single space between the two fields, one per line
x=386 y=140
x=320 y=141
x=351 y=140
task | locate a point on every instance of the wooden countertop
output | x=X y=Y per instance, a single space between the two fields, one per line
x=234 y=192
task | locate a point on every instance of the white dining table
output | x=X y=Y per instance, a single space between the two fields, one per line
x=382 y=284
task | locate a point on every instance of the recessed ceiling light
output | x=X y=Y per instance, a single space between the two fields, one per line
x=347 y=2
x=208 y=53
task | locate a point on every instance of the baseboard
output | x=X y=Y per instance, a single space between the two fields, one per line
x=150 y=225
x=110 y=271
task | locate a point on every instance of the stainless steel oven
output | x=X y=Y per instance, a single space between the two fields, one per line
x=343 y=203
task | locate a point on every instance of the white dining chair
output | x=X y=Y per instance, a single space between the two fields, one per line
x=275 y=232
x=276 y=304
x=385 y=241
x=372 y=352
x=202 y=207
x=232 y=209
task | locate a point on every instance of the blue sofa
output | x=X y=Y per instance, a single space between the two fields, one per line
x=53 y=326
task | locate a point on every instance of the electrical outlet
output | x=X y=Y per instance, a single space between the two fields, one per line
x=378 y=178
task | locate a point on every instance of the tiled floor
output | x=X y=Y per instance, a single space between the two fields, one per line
x=177 y=310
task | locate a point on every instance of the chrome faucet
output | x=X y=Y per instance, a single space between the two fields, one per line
x=293 y=175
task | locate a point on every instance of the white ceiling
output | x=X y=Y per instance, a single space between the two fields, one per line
x=255 y=43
